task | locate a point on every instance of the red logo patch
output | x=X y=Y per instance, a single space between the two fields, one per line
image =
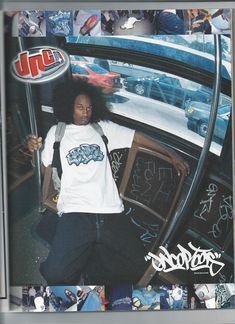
x=38 y=65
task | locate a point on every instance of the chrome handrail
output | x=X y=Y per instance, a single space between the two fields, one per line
x=33 y=130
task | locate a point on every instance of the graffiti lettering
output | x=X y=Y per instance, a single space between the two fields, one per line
x=206 y=205
x=221 y=295
x=116 y=164
x=149 y=231
x=137 y=185
x=194 y=260
x=150 y=183
x=225 y=217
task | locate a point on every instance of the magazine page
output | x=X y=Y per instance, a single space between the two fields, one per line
x=119 y=159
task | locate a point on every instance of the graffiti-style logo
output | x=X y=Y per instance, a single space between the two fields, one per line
x=194 y=259
x=39 y=64
x=84 y=154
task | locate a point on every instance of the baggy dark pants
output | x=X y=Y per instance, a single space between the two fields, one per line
x=104 y=246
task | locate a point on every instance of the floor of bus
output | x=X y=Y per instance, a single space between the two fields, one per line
x=27 y=251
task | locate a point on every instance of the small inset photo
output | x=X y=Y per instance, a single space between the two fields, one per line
x=133 y=22
x=211 y=21
x=86 y=23
x=220 y=20
x=35 y=298
x=62 y=298
x=118 y=297
x=59 y=23
x=206 y=295
x=225 y=295
x=16 y=302
x=178 y=297
x=194 y=301
x=169 y=22
x=31 y=23
x=91 y=298
x=146 y=298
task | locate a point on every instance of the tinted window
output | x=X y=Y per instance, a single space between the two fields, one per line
x=97 y=69
x=166 y=100
x=78 y=69
x=196 y=50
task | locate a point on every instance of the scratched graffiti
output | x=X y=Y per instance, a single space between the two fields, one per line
x=153 y=182
x=206 y=204
x=213 y=215
x=116 y=163
x=224 y=221
x=149 y=232
x=147 y=228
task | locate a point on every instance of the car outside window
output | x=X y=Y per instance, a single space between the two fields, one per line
x=78 y=69
x=161 y=97
x=97 y=69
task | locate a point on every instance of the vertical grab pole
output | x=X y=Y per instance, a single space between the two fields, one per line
x=233 y=118
x=33 y=130
x=4 y=250
x=182 y=210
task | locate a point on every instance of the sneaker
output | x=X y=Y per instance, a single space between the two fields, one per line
x=89 y=24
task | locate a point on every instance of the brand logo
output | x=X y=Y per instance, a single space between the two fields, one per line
x=39 y=64
x=194 y=260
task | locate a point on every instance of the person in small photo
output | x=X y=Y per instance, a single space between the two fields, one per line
x=108 y=18
x=87 y=23
x=25 y=296
x=198 y=22
x=185 y=298
x=46 y=297
x=193 y=300
x=71 y=298
x=145 y=298
x=31 y=24
x=89 y=298
x=164 y=297
x=32 y=294
x=62 y=298
x=55 y=302
x=169 y=23
x=177 y=295
x=220 y=20
x=135 y=22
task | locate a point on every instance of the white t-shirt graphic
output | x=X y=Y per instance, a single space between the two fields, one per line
x=87 y=183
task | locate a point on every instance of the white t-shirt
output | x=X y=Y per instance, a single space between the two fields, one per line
x=87 y=183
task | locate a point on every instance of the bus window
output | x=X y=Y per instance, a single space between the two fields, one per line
x=165 y=101
x=175 y=94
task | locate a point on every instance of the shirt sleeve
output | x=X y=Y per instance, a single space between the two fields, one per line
x=47 y=153
x=118 y=136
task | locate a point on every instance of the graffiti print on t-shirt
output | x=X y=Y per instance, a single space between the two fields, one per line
x=84 y=153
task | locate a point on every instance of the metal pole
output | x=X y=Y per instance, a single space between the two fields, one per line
x=233 y=117
x=33 y=130
x=182 y=211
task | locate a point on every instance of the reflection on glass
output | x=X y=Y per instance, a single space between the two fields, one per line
x=163 y=100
